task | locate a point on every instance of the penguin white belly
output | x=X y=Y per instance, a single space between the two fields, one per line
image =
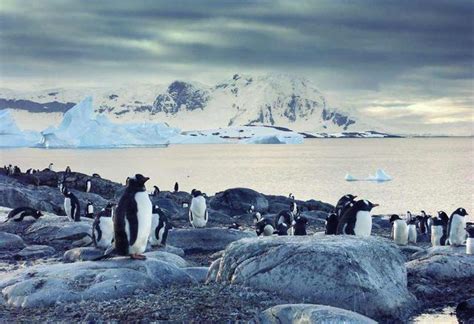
x=67 y=208
x=400 y=232
x=436 y=234
x=363 y=225
x=107 y=228
x=268 y=230
x=457 y=233
x=88 y=187
x=470 y=245
x=155 y=220
x=198 y=211
x=90 y=209
x=161 y=232
x=412 y=235
x=144 y=210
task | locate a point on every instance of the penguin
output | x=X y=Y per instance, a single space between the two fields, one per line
x=176 y=187
x=108 y=211
x=61 y=186
x=331 y=224
x=299 y=225
x=28 y=171
x=412 y=235
x=88 y=185
x=68 y=169
x=428 y=221
x=156 y=191
x=50 y=167
x=71 y=205
x=96 y=175
x=283 y=223
x=235 y=226
x=251 y=209
x=103 y=229
x=18 y=214
x=357 y=219
x=132 y=221
x=16 y=170
x=343 y=204
x=422 y=226
x=291 y=196
x=89 y=210
x=456 y=227
x=263 y=225
x=438 y=237
x=470 y=239
x=198 y=214
x=399 y=230
x=159 y=227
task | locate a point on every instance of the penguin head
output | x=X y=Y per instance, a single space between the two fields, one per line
x=196 y=193
x=461 y=212
x=423 y=213
x=38 y=213
x=350 y=197
x=470 y=229
x=394 y=217
x=365 y=205
x=138 y=182
x=257 y=217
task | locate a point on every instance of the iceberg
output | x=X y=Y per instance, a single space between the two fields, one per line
x=11 y=135
x=349 y=177
x=274 y=139
x=380 y=175
x=82 y=128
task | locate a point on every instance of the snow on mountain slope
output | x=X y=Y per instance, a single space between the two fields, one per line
x=275 y=99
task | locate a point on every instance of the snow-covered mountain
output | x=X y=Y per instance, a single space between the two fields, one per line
x=276 y=100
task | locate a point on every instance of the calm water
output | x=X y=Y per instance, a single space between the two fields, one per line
x=428 y=173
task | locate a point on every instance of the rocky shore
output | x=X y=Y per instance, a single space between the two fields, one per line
x=213 y=274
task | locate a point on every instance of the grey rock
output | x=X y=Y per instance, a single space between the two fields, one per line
x=46 y=285
x=439 y=250
x=170 y=249
x=365 y=275
x=308 y=313
x=82 y=254
x=35 y=252
x=58 y=228
x=237 y=201
x=168 y=258
x=409 y=250
x=198 y=273
x=209 y=239
x=10 y=242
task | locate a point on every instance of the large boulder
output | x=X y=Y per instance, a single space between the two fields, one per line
x=308 y=313
x=45 y=285
x=10 y=242
x=237 y=201
x=168 y=257
x=35 y=252
x=82 y=254
x=211 y=239
x=365 y=275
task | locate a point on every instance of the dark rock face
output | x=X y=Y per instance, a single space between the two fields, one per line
x=337 y=118
x=180 y=95
x=237 y=201
x=465 y=311
x=36 y=107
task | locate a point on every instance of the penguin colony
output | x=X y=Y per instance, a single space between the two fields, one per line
x=127 y=227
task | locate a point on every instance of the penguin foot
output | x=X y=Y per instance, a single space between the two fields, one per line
x=137 y=257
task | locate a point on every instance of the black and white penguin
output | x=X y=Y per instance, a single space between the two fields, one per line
x=438 y=236
x=235 y=226
x=251 y=209
x=61 y=185
x=198 y=214
x=331 y=224
x=412 y=234
x=422 y=226
x=263 y=225
x=399 y=230
x=283 y=222
x=470 y=238
x=68 y=169
x=20 y=213
x=300 y=223
x=88 y=185
x=428 y=221
x=159 y=227
x=156 y=191
x=71 y=206
x=103 y=229
x=16 y=170
x=89 y=210
x=343 y=204
x=176 y=187
x=50 y=166
x=133 y=218
x=291 y=196
x=357 y=220
x=95 y=175
x=28 y=171
x=456 y=227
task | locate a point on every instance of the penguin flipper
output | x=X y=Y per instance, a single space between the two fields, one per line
x=108 y=254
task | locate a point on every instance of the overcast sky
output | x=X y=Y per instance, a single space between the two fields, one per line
x=409 y=62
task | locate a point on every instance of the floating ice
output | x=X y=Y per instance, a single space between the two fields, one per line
x=349 y=177
x=380 y=176
x=11 y=135
x=274 y=139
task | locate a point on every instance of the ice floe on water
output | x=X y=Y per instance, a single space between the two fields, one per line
x=380 y=176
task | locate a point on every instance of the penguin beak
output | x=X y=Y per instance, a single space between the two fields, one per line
x=146 y=179
x=375 y=205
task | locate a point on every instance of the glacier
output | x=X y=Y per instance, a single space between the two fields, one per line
x=11 y=135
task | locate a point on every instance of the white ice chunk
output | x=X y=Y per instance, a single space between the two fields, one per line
x=11 y=135
x=380 y=175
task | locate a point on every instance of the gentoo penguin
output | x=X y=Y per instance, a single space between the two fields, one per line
x=16 y=170
x=357 y=219
x=61 y=185
x=470 y=238
x=88 y=185
x=283 y=222
x=263 y=225
x=198 y=214
x=68 y=169
x=71 y=205
x=456 y=227
x=89 y=210
x=291 y=196
x=428 y=221
x=95 y=175
x=300 y=224
x=18 y=214
x=176 y=187
x=331 y=224
x=437 y=232
x=412 y=235
x=108 y=211
x=28 y=171
x=251 y=209
x=235 y=226
x=343 y=204
x=50 y=167
x=132 y=221
x=156 y=191
x=422 y=226
x=399 y=230
x=159 y=227
x=103 y=229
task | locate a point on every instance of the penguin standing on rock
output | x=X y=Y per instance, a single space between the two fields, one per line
x=438 y=237
x=263 y=225
x=428 y=221
x=68 y=169
x=88 y=185
x=300 y=225
x=412 y=235
x=20 y=213
x=343 y=204
x=331 y=224
x=399 y=230
x=50 y=167
x=159 y=227
x=357 y=220
x=470 y=238
x=456 y=227
x=176 y=187
x=103 y=229
x=198 y=214
x=108 y=211
x=89 y=210
x=71 y=206
x=156 y=191
x=284 y=221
